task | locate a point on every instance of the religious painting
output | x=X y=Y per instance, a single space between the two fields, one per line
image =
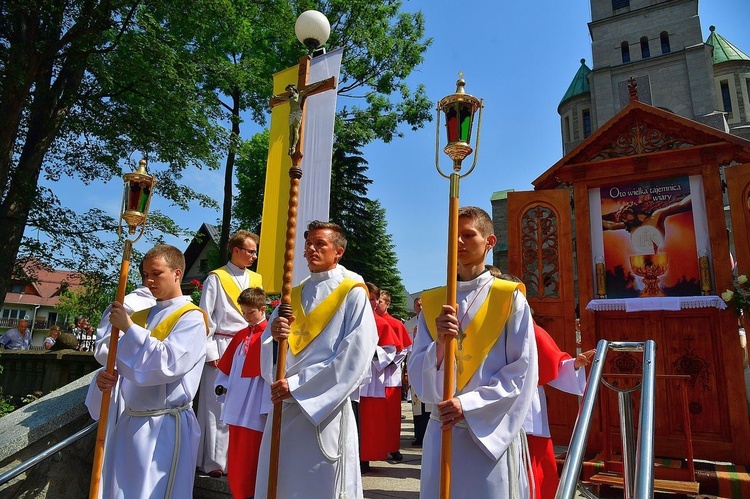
x=649 y=239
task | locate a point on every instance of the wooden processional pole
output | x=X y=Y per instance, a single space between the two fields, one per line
x=138 y=189
x=459 y=109
x=296 y=97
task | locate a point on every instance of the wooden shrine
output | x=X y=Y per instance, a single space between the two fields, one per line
x=630 y=228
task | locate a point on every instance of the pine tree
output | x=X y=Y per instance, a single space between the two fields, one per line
x=370 y=250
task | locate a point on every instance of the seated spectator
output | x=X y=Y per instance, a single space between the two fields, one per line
x=54 y=333
x=17 y=338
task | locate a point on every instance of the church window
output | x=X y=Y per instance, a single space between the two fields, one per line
x=203 y=265
x=18 y=287
x=586 y=123
x=645 y=51
x=726 y=97
x=620 y=4
x=625 y=48
x=566 y=129
x=664 y=42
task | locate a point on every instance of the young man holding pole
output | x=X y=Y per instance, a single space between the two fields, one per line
x=332 y=339
x=151 y=450
x=496 y=374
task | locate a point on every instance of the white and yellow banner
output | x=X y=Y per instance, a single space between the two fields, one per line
x=315 y=186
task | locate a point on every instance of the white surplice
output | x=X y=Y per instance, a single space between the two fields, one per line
x=224 y=320
x=319 y=451
x=247 y=400
x=570 y=380
x=495 y=402
x=154 y=375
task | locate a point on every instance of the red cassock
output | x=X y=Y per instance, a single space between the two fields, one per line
x=373 y=420
x=541 y=449
x=244 y=443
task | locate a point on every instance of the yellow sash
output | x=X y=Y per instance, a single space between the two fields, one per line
x=230 y=286
x=162 y=330
x=482 y=332
x=306 y=327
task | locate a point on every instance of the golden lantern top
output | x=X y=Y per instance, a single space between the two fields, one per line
x=136 y=197
x=459 y=109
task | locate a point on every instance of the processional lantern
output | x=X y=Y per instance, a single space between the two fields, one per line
x=459 y=110
x=136 y=199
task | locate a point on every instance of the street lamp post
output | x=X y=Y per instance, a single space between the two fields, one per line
x=459 y=109
x=138 y=189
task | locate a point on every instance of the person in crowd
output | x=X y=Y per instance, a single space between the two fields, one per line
x=17 y=338
x=496 y=374
x=82 y=333
x=54 y=333
x=151 y=450
x=394 y=376
x=247 y=395
x=332 y=339
x=420 y=410
x=373 y=408
x=558 y=370
x=221 y=289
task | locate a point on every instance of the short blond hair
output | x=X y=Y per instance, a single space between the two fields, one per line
x=481 y=219
x=237 y=240
x=171 y=255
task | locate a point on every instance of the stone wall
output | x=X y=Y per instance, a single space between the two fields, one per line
x=26 y=372
x=34 y=428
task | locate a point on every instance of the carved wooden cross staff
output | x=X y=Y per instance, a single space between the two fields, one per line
x=296 y=96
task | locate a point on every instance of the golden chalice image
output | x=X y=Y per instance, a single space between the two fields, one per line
x=650 y=268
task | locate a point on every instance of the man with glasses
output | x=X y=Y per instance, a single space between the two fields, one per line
x=221 y=289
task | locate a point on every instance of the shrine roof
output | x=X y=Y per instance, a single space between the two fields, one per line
x=579 y=85
x=724 y=50
x=636 y=133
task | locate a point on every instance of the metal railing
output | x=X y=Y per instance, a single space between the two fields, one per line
x=638 y=463
x=33 y=461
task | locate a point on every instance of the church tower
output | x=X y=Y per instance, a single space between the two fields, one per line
x=660 y=44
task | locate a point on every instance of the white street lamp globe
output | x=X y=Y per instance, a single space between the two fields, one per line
x=312 y=29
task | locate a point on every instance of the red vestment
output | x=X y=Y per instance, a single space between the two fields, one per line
x=373 y=421
x=244 y=443
x=541 y=449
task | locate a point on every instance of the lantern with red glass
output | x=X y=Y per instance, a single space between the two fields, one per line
x=459 y=110
x=136 y=198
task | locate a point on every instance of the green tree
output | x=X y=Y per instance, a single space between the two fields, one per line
x=370 y=250
x=90 y=300
x=82 y=85
x=246 y=42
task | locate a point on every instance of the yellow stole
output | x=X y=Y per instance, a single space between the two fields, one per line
x=483 y=331
x=306 y=327
x=230 y=286
x=162 y=330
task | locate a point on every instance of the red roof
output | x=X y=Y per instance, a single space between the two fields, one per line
x=45 y=290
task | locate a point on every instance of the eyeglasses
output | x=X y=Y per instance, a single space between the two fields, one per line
x=249 y=251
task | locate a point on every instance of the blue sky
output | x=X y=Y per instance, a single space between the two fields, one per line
x=520 y=60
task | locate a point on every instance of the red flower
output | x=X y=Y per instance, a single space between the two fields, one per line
x=275 y=303
x=197 y=283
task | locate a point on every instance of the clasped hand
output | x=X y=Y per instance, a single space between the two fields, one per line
x=119 y=317
x=105 y=381
x=281 y=328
